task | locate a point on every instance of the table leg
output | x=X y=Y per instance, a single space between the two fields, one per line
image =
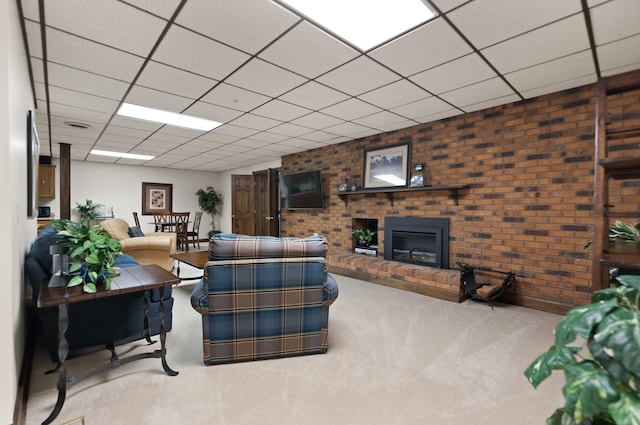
x=63 y=351
x=163 y=336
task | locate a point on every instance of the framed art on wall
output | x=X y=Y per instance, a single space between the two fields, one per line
x=386 y=167
x=33 y=152
x=156 y=198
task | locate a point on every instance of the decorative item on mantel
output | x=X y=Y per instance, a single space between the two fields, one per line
x=419 y=176
x=354 y=187
x=344 y=185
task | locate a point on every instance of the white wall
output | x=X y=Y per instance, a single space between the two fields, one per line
x=16 y=99
x=120 y=187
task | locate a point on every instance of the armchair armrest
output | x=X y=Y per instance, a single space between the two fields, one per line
x=151 y=250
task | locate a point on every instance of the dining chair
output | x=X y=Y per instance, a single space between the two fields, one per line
x=135 y=218
x=161 y=221
x=181 y=223
x=194 y=234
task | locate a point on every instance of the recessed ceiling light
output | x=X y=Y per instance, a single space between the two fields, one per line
x=122 y=155
x=166 y=117
x=75 y=124
x=364 y=23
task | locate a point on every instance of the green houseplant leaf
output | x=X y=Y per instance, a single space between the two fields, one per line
x=601 y=387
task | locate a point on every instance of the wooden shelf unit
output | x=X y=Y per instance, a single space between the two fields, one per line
x=609 y=169
x=390 y=192
x=46 y=181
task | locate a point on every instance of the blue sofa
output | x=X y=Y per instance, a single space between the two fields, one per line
x=97 y=323
x=264 y=297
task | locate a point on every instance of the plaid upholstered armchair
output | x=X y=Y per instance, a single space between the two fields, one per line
x=264 y=297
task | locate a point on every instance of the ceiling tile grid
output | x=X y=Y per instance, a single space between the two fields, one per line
x=280 y=84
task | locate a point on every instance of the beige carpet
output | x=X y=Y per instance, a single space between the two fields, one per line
x=394 y=357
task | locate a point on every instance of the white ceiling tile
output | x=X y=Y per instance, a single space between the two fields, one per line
x=381 y=120
x=172 y=80
x=290 y=130
x=421 y=108
x=255 y=122
x=156 y=99
x=205 y=145
x=250 y=143
x=619 y=56
x=137 y=31
x=128 y=132
x=317 y=121
x=187 y=133
x=280 y=110
x=234 y=130
x=34 y=39
x=308 y=51
x=347 y=129
x=249 y=25
x=190 y=51
x=163 y=8
x=265 y=136
x=490 y=103
x=550 y=73
x=439 y=115
x=264 y=78
x=318 y=136
x=212 y=112
x=486 y=22
x=86 y=82
x=135 y=123
x=426 y=47
x=615 y=20
x=394 y=94
x=446 y=5
x=72 y=113
x=460 y=72
x=78 y=53
x=561 y=85
x=592 y=3
x=235 y=97
x=358 y=76
x=490 y=89
x=525 y=51
x=30 y=9
x=314 y=96
x=351 y=109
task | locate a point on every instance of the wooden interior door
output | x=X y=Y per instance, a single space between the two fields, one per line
x=266 y=193
x=243 y=210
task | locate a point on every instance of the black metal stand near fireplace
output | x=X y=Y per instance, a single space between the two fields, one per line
x=417 y=240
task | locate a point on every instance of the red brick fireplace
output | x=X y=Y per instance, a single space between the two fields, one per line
x=527 y=169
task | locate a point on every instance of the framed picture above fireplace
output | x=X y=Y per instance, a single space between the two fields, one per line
x=386 y=167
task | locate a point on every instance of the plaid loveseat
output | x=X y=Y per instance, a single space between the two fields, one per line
x=264 y=297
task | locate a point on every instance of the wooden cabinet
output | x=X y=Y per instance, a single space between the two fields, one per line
x=46 y=181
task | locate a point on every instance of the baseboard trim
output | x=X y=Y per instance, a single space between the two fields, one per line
x=22 y=395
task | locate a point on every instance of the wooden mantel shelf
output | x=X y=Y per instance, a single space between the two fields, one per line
x=389 y=192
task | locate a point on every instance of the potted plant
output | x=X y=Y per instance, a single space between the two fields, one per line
x=210 y=202
x=92 y=251
x=602 y=386
x=88 y=211
x=364 y=237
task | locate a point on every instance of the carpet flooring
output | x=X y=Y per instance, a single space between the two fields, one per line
x=395 y=358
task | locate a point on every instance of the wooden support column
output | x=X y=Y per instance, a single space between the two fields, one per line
x=65 y=181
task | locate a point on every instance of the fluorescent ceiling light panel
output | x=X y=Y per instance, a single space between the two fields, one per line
x=364 y=23
x=122 y=155
x=166 y=117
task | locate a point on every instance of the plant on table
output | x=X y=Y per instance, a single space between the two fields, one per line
x=210 y=202
x=92 y=251
x=88 y=211
x=602 y=386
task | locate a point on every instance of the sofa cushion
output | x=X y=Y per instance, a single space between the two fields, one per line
x=116 y=227
x=135 y=232
x=231 y=247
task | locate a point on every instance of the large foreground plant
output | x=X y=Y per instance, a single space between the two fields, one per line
x=92 y=251
x=603 y=385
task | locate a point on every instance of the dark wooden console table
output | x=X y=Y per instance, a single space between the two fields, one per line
x=131 y=279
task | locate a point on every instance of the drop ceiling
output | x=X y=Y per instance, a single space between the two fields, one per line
x=281 y=84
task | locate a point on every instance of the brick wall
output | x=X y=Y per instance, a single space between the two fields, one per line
x=529 y=168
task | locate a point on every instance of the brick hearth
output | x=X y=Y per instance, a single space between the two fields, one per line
x=440 y=283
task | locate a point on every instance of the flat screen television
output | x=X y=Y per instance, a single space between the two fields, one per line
x=301 y=191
